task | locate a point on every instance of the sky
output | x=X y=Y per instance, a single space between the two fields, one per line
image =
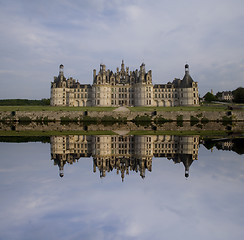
x=37 y=204
x=38 y=36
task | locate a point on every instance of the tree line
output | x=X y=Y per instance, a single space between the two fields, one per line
x=24 y=102
x=238 y=96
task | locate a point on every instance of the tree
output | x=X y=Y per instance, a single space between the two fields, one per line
x=209 y=97
x=238 y=95
x=218 y=95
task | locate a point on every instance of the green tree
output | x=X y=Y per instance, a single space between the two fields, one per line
x=209 y=97
x=238 y=95
x=218 y=95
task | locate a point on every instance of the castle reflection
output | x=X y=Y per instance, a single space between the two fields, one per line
x=123 y=153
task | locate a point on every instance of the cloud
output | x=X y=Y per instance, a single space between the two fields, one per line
x=37 y=37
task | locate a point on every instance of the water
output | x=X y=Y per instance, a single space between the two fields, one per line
x=158 y=199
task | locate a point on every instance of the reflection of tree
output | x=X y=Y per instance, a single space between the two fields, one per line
x=235 y=145
x=209 y=143
x=238 y=145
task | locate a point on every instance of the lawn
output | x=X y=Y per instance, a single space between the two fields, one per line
x=49 y=108
x=64 y=133
x=180 y=133
x=179 y=108
x=100 y=109
x=53 y=133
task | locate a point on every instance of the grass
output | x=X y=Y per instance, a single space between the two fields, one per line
x=101 y=109
x=137 y=132
x=178 y=108
x=53 y=133
x=49 y=108
x=180 y=133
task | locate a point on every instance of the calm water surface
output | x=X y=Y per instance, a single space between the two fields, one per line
x=154 y=201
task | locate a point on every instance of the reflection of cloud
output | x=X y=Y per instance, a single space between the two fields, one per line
x=36 y=202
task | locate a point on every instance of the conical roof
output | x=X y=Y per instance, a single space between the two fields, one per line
x=187 y=80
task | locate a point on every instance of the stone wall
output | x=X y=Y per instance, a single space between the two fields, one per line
x=168 y=126
x=170 y=115
x=181 y=121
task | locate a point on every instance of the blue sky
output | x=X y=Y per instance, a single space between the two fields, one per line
x=37 y=36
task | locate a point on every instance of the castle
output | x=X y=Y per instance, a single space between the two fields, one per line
x=123 y=88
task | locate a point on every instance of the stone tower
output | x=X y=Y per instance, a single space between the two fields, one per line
x=144 y=88
x=58 y=89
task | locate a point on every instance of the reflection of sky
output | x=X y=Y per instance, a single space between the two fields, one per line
x=36 y=203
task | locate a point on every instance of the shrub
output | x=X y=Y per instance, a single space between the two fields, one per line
x=179 y=120
x=194 y=120
x=25 y=120
x=226 y=120
x=204 y=120
x=161 y=120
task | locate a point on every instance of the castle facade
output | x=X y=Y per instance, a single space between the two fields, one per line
x=123 y=88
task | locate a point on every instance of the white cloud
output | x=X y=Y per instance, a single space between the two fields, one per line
x=38 y=36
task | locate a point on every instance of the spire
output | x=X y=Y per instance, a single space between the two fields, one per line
x=61 y=70
x=122 y=65
x=186 y=68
